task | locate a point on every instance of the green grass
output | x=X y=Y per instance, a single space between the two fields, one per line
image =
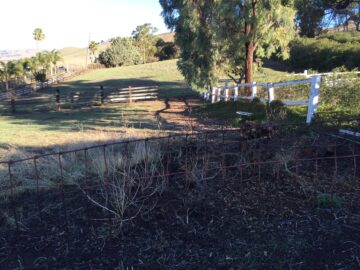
x=35 y=129
x=227 y=111
x=77 y=56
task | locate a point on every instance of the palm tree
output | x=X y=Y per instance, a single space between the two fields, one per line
x=54 y=58
x=23 y=67
x=93 y=47
x=38 y=35
x=7 y=71
x=44 y=61
x=33 y=65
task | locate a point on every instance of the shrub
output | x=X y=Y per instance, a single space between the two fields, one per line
x=326 y=52
x=341 y=95
x=40 y=76
x=166 y=50
x=277 y=109
x=329 y=201
x=122 y=52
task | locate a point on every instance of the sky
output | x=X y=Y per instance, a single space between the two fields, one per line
x=68 y=23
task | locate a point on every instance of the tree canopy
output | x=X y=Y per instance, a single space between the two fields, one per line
x=145 y=40
x=122 y=52
x=224 y=36
x=38 y=36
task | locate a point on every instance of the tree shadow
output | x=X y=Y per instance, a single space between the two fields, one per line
x=141 y=115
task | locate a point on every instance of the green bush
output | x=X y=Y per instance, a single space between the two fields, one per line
x=122 y=52
x=329 y=201
x=40 y=76
x=343 y=95
x=326 y=52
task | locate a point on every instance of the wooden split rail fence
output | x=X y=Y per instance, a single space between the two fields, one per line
x=232 y=92
x=73 y=100
x=28 y=89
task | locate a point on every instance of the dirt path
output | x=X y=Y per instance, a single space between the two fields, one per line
x=177 y=114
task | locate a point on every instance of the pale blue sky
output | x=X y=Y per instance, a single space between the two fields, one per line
x=69 y=22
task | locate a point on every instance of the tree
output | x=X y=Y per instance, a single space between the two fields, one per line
x=22 y=66
x=310 y=14
x=252 y=28
x=38 y=35
x=7 y=71
x=166 y=50
x=53 y=57
x=145 y=40
x=93 y=47
x=44 y=61
x=220 y=33
x=122 y=52
x=192 y=22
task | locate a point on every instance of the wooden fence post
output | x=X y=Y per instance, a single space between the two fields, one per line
x=13 y=108
x=102 y=95
x=72 y=101
x=236 y=93
x=213 y=95
x=313 y=98
x=253 y=90
x=227 y=93
x=130 y=94
x=271 y=92
x=57 y=100
x=218 y=94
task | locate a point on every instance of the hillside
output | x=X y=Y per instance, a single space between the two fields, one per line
x=77 y=56
x=167 y=37
x=6 y=55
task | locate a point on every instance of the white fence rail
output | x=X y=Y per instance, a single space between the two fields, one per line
x=227 y=93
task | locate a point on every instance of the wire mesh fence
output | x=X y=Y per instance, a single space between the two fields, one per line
x=118 y=181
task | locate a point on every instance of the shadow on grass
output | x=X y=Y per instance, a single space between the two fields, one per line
x=31 y=111
x=260 y=112
x=167 y=89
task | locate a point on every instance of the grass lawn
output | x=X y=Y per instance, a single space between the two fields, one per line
x=37 y=129
x=227 y=111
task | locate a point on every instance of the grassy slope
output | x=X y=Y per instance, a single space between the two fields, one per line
x=77 y=56
x=42 y=129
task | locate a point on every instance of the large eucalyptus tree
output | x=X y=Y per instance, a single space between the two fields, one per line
x=226 y=35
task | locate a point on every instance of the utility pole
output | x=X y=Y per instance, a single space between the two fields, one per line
x=87 y=50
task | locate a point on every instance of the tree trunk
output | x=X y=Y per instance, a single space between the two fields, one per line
x=249 y=70
x=250 y=49
x=6 y=85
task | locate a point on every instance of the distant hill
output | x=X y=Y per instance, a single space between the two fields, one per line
x=7 y=55
x=77 y=56
x=167 y=37
x=71 y=55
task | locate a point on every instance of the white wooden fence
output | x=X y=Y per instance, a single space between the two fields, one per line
x=226 y=93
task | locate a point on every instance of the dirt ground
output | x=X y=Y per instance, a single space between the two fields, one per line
x=297 y=216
